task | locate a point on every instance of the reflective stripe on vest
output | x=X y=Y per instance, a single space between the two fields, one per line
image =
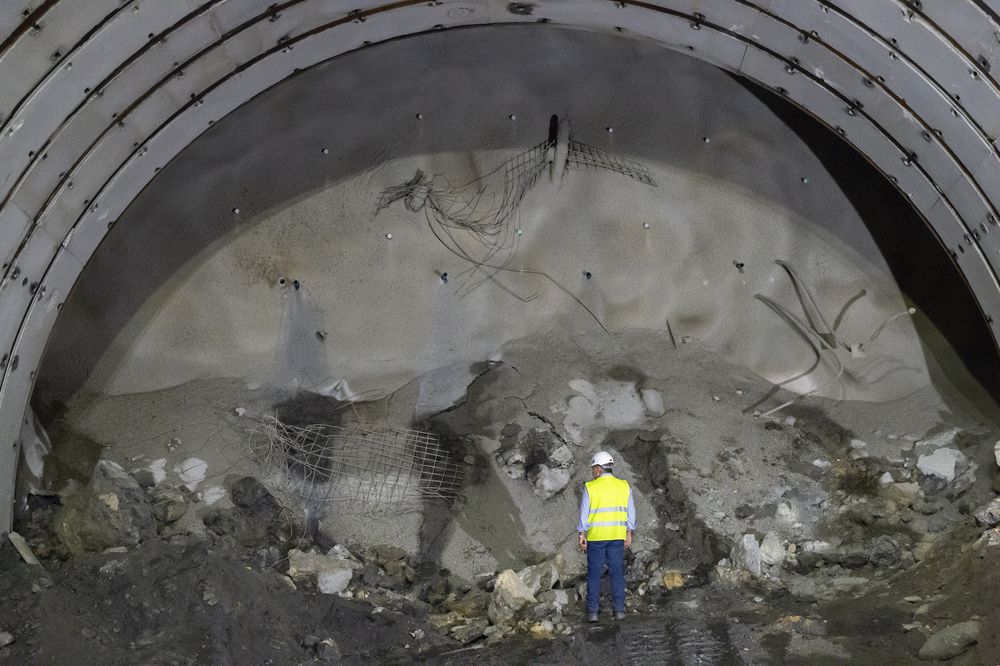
x=608 y=518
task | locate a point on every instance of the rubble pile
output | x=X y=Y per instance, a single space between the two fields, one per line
x=798 y=537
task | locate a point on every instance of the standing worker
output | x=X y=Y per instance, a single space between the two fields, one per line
x=607 y=524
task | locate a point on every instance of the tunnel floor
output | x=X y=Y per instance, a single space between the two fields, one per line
x=828 y=532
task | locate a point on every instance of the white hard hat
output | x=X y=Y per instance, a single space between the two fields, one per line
x=602 y=459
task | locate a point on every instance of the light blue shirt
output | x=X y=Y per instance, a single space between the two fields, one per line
x=585 y=511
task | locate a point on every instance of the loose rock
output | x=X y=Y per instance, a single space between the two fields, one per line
x=169 y=504
x=885 y=551
x=472 y=604
x=672 y=579
x=510 y=595
x=331 y=575
x=771 y=550
x=467 y=633
x=989 y=515
x=544 y=576
x=950 y=642
x=944 y=464
x=328 y=650
x=902 y=494
x=111 y=510
x=746 y=554
x=548 y=481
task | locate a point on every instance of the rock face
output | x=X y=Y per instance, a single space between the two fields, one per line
x=746 y=555
x=950 y=642
x=111 y=510
x=510 y=595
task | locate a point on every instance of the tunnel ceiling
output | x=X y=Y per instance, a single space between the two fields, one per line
x=97 y=97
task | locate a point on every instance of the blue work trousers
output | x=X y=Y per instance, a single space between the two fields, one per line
x=611 y=553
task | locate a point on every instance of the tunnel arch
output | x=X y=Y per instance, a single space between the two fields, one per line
x=97 y=99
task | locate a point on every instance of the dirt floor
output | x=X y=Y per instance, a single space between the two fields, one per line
x=188 y=601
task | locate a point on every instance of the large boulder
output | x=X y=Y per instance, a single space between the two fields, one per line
x=110 y=511
x=544 y=576
x=510 y=595
x=951 y=641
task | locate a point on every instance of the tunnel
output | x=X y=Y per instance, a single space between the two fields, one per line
x=436 y=254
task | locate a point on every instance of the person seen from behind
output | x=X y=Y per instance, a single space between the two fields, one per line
x=606 y=529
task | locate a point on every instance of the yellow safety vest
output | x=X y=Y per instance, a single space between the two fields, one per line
x=608 y=518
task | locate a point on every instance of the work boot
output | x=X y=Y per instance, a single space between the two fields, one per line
x=592 y=617
x=619 y=615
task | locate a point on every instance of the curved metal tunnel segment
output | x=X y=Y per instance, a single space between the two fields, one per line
x=98 y=97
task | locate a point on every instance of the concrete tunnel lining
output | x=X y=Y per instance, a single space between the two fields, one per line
x=826 y=57
x=308 y=213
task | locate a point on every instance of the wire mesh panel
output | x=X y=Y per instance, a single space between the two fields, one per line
x=584 y=156
x=325 y=463
x=478 y=221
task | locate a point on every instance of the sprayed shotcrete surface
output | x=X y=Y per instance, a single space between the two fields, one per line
x=186 y=288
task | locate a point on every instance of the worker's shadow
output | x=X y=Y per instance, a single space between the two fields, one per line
x=479 y=505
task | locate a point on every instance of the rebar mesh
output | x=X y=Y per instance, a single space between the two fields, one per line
x=355 y=464
x=584 y=156
x=479 y=213
x=485 y=213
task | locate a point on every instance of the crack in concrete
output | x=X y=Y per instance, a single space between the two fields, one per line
x=548 y=422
